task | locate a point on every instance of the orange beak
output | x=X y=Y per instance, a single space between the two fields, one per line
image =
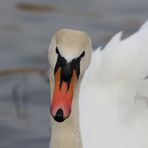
x=62 y=96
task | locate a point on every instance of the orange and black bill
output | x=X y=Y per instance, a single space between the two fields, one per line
x=62 y=96
x=66 y=75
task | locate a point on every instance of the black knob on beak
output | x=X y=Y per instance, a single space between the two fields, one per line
x=59 y=117
x=66 y=73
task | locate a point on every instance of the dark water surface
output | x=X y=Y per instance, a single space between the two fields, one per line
x=25 y=29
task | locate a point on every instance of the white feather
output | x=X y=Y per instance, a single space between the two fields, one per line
x=112 y=108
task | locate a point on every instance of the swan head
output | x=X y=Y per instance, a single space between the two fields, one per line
x=69 y=56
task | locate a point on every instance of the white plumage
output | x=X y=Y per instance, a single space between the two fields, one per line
x=113 y=103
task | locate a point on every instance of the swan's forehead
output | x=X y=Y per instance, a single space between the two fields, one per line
x=71 y=43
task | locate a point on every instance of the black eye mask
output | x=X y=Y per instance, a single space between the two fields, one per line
x=67 y=68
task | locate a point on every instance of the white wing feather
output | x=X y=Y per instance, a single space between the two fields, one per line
x=126 y=58
x=108 y=91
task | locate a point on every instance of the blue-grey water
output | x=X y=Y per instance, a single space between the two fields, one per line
x=24 y=37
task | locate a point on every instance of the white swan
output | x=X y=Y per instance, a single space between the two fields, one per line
x=111 y=115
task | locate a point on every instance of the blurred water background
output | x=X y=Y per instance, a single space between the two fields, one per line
x=25 y=29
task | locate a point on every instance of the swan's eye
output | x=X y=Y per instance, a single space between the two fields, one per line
x=82 y=55
x=61 y=60
x=57 y=51
x=76 y=62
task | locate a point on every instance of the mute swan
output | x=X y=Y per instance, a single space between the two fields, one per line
x=94 y=94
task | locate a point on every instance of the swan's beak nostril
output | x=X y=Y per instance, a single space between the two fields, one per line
x=59 y=117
